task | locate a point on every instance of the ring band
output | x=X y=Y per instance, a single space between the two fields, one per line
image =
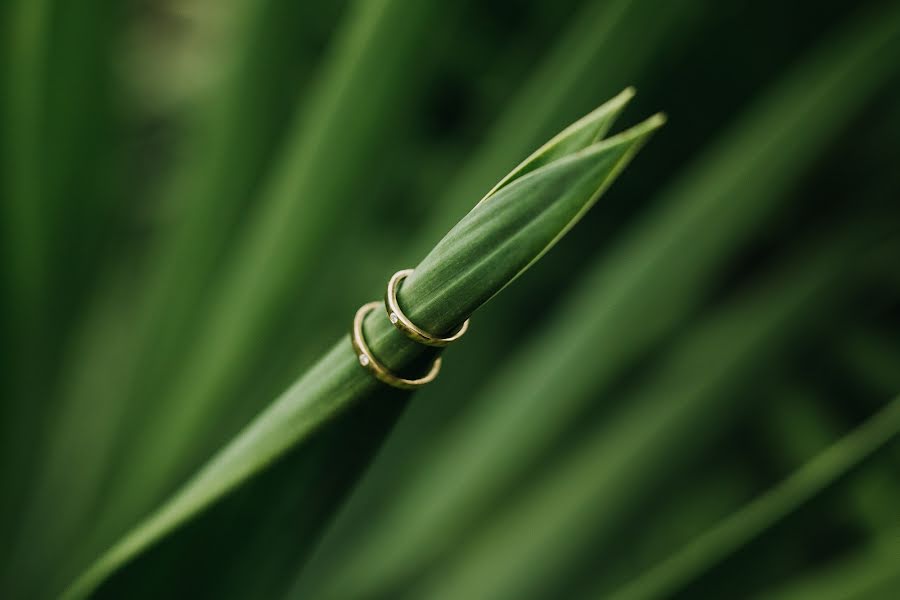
x=368 y=361
x=410 y=329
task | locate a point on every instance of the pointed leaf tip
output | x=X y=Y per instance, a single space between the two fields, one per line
x=498 y=240
x=584 y=132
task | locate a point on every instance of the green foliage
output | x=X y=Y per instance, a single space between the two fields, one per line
x=503 y=235
x=686 y=397
x=751 y=520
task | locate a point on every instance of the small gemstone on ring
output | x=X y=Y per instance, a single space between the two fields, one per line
x=394 y=318
x=363 y=360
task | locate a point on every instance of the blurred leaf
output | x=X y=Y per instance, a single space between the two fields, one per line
x=24 y=237
x=873 y=358
x=803 y=427
x=751 y=521
x=300 y=198
x=25 y=212
x=209 y=184
x=76 y=449
x=871 y=573
x=665 y=521
x=58 y=124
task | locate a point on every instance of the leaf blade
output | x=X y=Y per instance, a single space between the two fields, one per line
x=337 y=380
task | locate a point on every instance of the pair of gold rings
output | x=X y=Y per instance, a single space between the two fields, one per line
x=405 y=325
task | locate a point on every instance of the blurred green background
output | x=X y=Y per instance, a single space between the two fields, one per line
x=197 y=196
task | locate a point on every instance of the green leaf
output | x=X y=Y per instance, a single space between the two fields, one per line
x=207 y=187
x=751 y=521
x=490 y=247
x=513 y=227
x=802 y=426
x=26 y=211
x=580 y=134
x=869 y=573
x=24 y=238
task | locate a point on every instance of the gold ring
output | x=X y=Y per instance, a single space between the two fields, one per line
x=402 y=322
x=367 y=360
